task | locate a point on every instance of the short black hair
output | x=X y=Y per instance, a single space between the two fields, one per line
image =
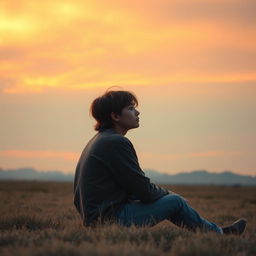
x=111 y=101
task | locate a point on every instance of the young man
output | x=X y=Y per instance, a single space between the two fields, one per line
x=110 y=185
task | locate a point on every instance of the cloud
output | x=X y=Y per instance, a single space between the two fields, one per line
x=73 y=156
x=37 y=154
x=232 y=12
x=85 y=44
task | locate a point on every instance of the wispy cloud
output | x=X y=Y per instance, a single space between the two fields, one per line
x=73 y=156
x=37 y=154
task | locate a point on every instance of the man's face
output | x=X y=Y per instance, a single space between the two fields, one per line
x=129 y=118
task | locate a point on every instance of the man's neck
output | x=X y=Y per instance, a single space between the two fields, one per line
x=120 y=130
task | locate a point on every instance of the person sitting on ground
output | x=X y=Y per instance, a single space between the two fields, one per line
x=109 y=184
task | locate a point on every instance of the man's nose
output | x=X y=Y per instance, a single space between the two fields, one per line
x=137 y=112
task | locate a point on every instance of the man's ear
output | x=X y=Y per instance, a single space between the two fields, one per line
x=114 y=117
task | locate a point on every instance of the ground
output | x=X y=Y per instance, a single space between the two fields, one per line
x=38 y=218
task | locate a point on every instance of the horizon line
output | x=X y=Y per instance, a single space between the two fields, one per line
x=144 y=169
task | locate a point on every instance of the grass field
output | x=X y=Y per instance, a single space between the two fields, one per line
x=38 y=218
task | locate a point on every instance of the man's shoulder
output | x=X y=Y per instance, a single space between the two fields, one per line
x=115 y=138
x=105 y=144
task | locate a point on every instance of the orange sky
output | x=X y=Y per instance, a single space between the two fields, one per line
x=196 y=54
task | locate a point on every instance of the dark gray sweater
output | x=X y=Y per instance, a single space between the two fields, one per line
x=107 y=176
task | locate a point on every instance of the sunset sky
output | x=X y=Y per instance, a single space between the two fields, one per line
x=192 y=65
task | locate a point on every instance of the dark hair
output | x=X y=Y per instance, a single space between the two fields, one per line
x=111 y=101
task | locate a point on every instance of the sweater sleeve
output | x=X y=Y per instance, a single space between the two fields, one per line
x=125 y=170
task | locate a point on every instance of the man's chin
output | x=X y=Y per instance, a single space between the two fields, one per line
x=135 y=126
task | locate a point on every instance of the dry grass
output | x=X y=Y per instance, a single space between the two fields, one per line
x=38 y=218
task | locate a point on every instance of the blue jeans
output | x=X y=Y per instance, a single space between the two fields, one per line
x=171 y=207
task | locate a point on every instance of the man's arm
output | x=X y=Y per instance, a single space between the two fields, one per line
x=125 y=170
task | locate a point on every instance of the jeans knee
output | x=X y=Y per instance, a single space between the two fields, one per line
x=179 y=200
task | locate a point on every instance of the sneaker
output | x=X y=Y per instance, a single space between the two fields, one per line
x=236 y=228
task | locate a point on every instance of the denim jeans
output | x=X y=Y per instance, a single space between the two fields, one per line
x=171 y=207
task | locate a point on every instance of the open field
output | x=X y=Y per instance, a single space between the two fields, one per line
x=38 y=218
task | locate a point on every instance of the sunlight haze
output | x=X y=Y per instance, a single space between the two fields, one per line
x=192 y=65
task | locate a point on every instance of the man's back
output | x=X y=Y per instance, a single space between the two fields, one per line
x=96 y=192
